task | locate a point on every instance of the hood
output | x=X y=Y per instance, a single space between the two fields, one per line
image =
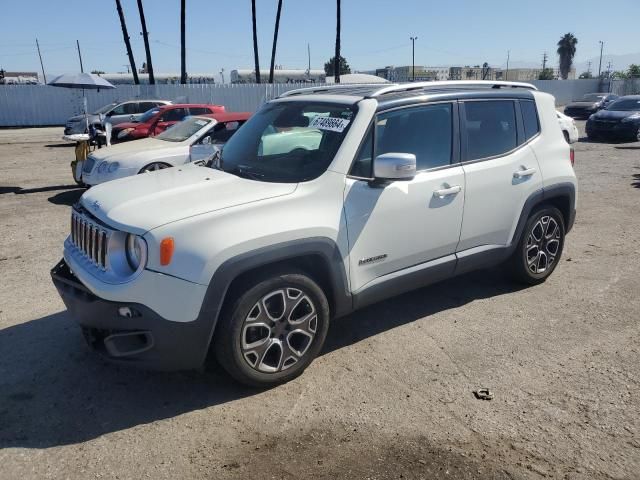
x=127 y=149
x=582 y=104
x=140 y=203
x=613 y=114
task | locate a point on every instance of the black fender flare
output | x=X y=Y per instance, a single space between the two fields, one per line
x=323 y=248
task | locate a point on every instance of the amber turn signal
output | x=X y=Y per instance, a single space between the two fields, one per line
x=166 y=250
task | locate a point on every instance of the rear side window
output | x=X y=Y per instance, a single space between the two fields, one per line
x=424 y=131
x=146 y=106
x=174 y=115
x=491 y=128
x=199 y=111
x=529 y=119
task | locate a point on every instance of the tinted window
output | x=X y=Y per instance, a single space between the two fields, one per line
x=424 y=131
x=119 y=110
x=199 y=111
x=491 y=128
x=174 y=115
x=146 y=106
x=362 y=164
x=529 y=119
x=626 y=104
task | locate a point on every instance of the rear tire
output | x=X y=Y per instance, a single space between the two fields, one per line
x=272 y=329
x=540 y=246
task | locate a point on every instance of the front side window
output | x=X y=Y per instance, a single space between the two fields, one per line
x=119 y=110
x=287 y=142
x=529 y=118
x=174 y=115
x=183 y=130
x=491 y=128
x=146 y=106
x=424 y=131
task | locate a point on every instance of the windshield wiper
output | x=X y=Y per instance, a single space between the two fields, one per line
x=245 y=171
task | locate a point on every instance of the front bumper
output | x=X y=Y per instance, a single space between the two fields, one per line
x=619 y=130
x=144 y=338
x=94 y=178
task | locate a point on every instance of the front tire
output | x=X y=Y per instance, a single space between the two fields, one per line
x=540 y=246
x=272 y=329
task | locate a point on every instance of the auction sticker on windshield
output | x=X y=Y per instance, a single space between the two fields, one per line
x=332 y=124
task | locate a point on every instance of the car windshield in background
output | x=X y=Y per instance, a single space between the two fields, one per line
x=287 y=142
x=183 y=130
x=592 y=97
x=625 y=105
x=147 y=115
x=105 y=109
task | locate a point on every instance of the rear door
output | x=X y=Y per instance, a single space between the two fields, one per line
x=501 y=170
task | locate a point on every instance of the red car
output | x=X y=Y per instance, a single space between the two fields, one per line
x=158 y=119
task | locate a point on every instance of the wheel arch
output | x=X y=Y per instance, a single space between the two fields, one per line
x=317 y=257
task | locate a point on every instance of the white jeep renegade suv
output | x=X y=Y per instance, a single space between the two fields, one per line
x=328 y=199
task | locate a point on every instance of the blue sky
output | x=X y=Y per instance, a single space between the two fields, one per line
x=374 y=32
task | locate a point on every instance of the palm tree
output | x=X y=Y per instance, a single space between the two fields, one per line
x=145 y=36
x=275 y=41
x=336 y=67
x=183 y=60
x=127 y=43
x=566 y=52
x=255 y=41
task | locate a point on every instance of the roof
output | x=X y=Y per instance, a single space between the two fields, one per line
x=229 y=116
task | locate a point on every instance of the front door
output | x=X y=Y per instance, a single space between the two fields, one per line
x=405 y=223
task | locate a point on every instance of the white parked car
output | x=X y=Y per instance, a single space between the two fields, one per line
x=391 y=188
x=191 y=140
x=114 y=113
x=568 y=126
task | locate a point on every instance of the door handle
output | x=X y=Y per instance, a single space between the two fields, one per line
x=444 y=192
x=524 y=173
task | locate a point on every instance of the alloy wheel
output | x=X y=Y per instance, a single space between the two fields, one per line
x=278 y=330
x=543 y=245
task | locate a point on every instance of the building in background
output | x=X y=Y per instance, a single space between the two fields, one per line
x=528 y=74
x=18 y=78
x=279 y=76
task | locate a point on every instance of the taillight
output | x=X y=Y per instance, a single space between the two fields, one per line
x=572 y=156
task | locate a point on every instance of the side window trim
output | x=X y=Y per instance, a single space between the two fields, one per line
x=464 y=160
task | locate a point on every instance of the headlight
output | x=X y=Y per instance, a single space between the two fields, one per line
x=125 y=132
x=113 y=167
x=136 y=251
x=102 y=167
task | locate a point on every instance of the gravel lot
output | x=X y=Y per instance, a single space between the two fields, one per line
x=391 y=396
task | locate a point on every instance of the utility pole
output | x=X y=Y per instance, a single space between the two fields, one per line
x=222 y=74
x=41 y=64
x=600 y=66
x=544 y=61
x=183 y=59
x=336 y=60
x=127 y=44
x=589 y=67
x=80 y=56
x=309 y=58
x=145 y=37
x=508 y=55
x=413 y=58
x=609 y=70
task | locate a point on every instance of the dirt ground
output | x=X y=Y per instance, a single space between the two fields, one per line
x=391 y=395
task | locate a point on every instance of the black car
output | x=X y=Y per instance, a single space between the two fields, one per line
x=590 y=103
x=619 y=121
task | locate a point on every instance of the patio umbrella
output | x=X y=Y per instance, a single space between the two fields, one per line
x=85 y=81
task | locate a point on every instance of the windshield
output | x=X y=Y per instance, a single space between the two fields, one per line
x=593 y=97
x=147 y=115
x=287 y=142
x=105 y=109
x=183 y=130
x=625 y=105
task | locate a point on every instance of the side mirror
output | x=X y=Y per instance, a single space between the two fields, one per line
x=394 y=166
x=132 y=118
x=110 y=114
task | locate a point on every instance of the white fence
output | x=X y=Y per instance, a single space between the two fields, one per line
x=37 y=105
